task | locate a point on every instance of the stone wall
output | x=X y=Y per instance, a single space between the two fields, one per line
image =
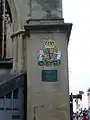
x=20 y=10
x=46 y=9
x=51 y=99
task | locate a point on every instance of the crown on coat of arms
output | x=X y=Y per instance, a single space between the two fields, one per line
x=49 y=44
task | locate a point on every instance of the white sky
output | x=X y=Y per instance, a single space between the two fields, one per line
x=77 y=12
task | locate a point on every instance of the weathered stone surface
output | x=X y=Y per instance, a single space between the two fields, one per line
x=50 y=99
x=55 y=96
x=37 y=9
x=20 y=9
x=45 y=9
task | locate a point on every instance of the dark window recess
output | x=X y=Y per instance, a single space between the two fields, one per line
x=4 y=52
x=9 y=95
x=1 y=108
x=2 y=97
x=15 y=93
x=16 y=109
x=8 y=108
x=15 y=116
x=49 y=75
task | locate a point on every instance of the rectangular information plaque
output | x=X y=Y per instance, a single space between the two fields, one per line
x=49 y=75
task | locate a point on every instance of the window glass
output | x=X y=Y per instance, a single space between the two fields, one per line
x=15 y=93
x=1 y=97
x=9 y=95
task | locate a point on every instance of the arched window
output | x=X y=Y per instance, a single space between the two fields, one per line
x=5 y=20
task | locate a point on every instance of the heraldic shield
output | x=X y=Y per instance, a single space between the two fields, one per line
x=49 y=55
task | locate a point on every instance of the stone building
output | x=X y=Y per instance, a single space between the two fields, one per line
x=88 y=97
x=40 y=39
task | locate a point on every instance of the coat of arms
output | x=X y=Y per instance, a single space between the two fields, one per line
x=49 y=55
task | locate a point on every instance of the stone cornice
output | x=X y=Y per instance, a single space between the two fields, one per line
x=29 y=20
x=64 y=27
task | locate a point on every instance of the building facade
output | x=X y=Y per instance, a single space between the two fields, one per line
x=5 y=30
x=40 y=39
x=88 y=97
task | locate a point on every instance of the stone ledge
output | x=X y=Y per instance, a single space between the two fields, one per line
x=39 y=21
x=17 y=33
x=64 y=27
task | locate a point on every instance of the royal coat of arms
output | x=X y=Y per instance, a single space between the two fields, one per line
x=49 y=55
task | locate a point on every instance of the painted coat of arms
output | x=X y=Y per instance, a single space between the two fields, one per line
x=49 y=55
